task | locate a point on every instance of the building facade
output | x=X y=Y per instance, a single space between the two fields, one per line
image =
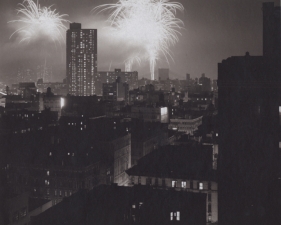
x=131 y=78
x=81 y=60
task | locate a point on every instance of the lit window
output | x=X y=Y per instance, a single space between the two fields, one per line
x=183 y=184
x=174 y=183
x=217 y=134
x=68 y=153
x=50 y=154
x=48 y=173
x=200 y=186
x=72 y=154
x=133 y=206
x=178 y=216
x=171 y=216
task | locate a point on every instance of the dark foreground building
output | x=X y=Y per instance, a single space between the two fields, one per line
x=127 y=205
x=249 y=91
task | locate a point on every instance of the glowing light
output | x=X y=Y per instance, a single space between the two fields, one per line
x=151 y=24
x=36 y=21
x=61 y=102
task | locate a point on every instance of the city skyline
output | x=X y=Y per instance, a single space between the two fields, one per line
x=213 y=31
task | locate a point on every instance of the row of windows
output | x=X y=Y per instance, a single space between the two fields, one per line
x=175 y=183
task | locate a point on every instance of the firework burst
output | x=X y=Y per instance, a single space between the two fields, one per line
x=149 y=23
x=37 y=21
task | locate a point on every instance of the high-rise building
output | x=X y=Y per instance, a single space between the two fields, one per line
x=81 y=60
x=249 y=90
x=163 y=74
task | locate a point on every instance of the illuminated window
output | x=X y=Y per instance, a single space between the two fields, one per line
x=174 y=183
x=48 y=172
x=178 y=216
x=171 y=216
x=50 y=154
x=183 y=184
x=133 y=206
x=200 y=186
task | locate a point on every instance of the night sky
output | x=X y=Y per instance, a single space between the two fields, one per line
x=214 y=30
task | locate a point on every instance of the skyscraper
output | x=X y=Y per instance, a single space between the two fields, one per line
x=81 y=60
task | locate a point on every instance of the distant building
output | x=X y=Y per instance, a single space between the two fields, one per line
x=205 y=83
x=116 y=91
x=130 y=78
x=185 y=125
x=27 y=89
x=58 y=88
x=150 y=114
x=53 y=102
x=163 y=74
x=81 y=60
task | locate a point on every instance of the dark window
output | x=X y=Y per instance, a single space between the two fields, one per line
x=191 y=184
x=209 y=197
x=163 y=183
x=148 y=181
x=139 y=180
x=156 y=181
x=209 y=185
x=209 y=208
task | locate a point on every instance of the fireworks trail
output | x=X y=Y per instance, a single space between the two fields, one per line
x=36 y=21
x=130 y=61
x=149 y=23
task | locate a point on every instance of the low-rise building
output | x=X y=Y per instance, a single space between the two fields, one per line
x=150 y=114
x=181 y=168
x=185 y=125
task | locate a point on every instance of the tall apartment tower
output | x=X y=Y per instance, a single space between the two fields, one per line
x=81 y=60
x=249 y=100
